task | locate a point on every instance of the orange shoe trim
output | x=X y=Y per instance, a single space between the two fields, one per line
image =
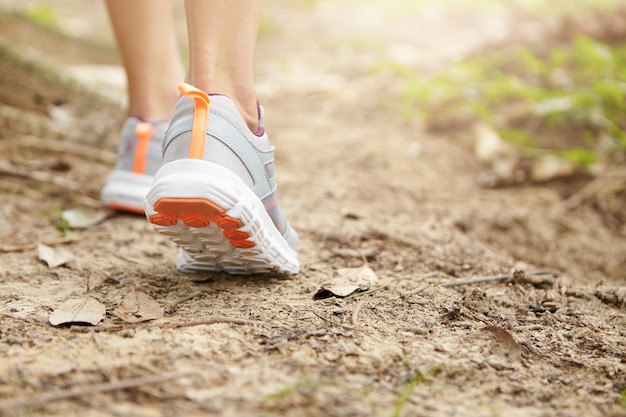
x=200 y=118
x=125 y=207
x=199 y=213
x=143 y=131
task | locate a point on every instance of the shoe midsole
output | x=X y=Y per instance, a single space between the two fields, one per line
x=127 y=188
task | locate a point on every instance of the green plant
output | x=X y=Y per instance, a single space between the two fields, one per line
x=63 y=226
x=410 y=387
x=55 y=213
x=621 y=401
x=56 y=210
x=44 y=15
x=404 y=396
x=567 y=101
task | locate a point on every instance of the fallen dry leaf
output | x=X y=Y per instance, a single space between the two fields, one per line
x=549 y=167
x=509 y=342
x=138 y=306
x=52 y=257
x=489 y=146
x=76 y=311
x=347 y=281
x=82 y=218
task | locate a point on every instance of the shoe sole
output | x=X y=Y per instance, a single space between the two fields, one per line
x=126 y=191
x=218 y=222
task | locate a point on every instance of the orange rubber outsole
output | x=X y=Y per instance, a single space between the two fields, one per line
x=200 y=213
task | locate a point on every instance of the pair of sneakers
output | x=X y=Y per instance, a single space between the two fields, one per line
x=208 y=183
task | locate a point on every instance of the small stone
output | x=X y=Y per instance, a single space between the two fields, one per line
x=15 y=340
x=128 y=333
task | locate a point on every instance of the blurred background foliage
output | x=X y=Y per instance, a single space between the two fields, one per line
x=563 y=96
x=570 y=99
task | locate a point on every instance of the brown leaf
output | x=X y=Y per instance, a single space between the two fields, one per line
x=138 y=306
x=81 y=310
x=506 y=339
x=52 y=257
x=347 y=281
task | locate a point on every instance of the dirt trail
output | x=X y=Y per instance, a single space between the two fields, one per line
x=356 y=179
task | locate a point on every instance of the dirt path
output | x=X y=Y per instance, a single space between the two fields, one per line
x=356 y=179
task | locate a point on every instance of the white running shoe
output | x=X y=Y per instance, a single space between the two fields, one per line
x=215 y=194
x=138 y=159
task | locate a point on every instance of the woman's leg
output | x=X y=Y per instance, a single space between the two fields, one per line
x=222 y=37
x=146 y=39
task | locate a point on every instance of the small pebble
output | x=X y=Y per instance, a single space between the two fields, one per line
x=127 y=333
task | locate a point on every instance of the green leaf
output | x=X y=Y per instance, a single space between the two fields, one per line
x=582 y=156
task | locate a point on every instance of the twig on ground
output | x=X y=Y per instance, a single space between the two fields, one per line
x=276 y=342
x=475 y=317
x=10 y=169
x=477 y=280
x=208 y=320
x=521 y=275
x=132 y=326
x=174 y=305
x=30 y=246
x=66 y=147
x=129 y=259
x=355 y=313
x=46 y=177
x=408 y=294
x=587 y=191
x=345 y=326
x=577 y=199
x=96 y=342
x=92 y=389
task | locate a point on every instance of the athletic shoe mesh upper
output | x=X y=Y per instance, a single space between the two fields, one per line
x=128 y=144
x=230 y=143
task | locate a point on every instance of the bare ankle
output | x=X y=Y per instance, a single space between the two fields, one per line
x=157 y=105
